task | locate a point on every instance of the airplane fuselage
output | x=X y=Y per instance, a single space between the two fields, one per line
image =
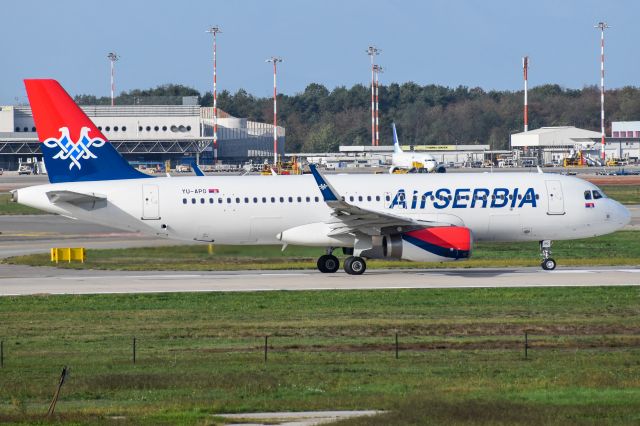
x=258 y=209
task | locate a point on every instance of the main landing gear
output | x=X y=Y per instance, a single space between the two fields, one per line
x=353 y=265
x=548 y=264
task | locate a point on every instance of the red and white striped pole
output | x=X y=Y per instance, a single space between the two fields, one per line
x=372 y=51
x=602 y=26
x=215 y=30
x=275 y=61
x=113 y=57
x=378 y=70
x=525 y=68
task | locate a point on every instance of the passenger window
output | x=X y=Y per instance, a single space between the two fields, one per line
x=291 y=199
x=273 y=199
x=246 y=200
x=237 y=200
x=377 y=198
x=308 y=199
x=368 y=197
x=264 y=199
x=228 y=200
x=388 y=197
x=210 y=200
x=537 y=196
x=255 y=199
x=184 y=201
x=282 y=199
x=350 y=197
x=587 y=195
x=316 y=199
x=597 y=195
x=299 y=199
x=193 y=201
x=201 y=200
x=360 y=198
x=219 y=200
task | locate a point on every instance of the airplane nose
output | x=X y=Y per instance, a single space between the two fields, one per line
x=622 y=215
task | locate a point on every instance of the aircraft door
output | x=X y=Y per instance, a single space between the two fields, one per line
x=555 y=199
x=150 y=202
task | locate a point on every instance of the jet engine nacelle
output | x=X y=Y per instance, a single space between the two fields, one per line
x=438 y=244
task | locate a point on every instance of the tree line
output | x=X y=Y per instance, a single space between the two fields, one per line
x=320 y=120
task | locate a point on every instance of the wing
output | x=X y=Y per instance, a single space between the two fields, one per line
x=348 y=219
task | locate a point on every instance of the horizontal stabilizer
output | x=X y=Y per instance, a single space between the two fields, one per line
x=74 y=197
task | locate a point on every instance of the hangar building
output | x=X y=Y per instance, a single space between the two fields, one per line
x=551 y=145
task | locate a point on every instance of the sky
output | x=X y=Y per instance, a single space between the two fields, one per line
x=474 y=43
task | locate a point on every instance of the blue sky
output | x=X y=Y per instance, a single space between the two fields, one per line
x=471 y=43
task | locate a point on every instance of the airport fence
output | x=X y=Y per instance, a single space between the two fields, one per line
x=260 y=348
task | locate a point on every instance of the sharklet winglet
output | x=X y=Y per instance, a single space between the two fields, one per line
x=328 y=193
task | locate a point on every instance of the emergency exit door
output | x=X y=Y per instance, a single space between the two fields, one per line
x=555 y=198
x=150 y=202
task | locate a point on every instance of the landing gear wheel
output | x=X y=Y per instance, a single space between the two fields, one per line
x=355 y=265
x=328 y=263
x=549 y=264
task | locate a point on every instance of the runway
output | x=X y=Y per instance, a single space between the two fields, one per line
x=23 y=280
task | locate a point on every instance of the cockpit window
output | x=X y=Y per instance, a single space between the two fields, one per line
x=587 y=195
x=597 y=195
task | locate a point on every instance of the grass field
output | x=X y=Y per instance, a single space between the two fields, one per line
x=9 y=207
x=461 y=357
x=621 y=248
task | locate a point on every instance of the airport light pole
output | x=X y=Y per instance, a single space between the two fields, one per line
x=525 y=69
x=373 y=51
x=378 y=70
x=275 y=60
x=214 y=31
x=113 y=57
x=602 y=26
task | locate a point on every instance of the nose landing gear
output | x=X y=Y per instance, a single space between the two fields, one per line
x=548 y=264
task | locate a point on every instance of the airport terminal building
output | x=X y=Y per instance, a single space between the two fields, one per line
x=150 y=134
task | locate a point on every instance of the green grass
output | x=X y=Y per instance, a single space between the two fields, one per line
x=621 y=248
x=461 y=358
x=625 y=194
x=8 y=207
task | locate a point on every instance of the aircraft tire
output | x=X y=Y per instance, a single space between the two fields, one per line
x=355 y=265
x=328 y=264
x=549 y=264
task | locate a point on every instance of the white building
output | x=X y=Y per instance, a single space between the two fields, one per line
x=554 y=144
x=150 y=133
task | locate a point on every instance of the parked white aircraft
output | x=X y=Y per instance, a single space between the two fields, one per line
x=415 y=217
x=412 y=160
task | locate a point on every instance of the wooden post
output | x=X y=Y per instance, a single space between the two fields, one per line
x=54 y=401
x=134 y=349
x=396 y=345
x=266 y=340
x=526 y=344
x=1 y=353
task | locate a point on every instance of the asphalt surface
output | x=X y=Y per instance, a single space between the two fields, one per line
x=22 y=280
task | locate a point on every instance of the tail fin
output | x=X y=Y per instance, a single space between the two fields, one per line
x=72 y=146
x=396 y=143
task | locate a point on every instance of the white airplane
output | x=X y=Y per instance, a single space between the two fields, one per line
x=412 y=160
x=414 y=217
